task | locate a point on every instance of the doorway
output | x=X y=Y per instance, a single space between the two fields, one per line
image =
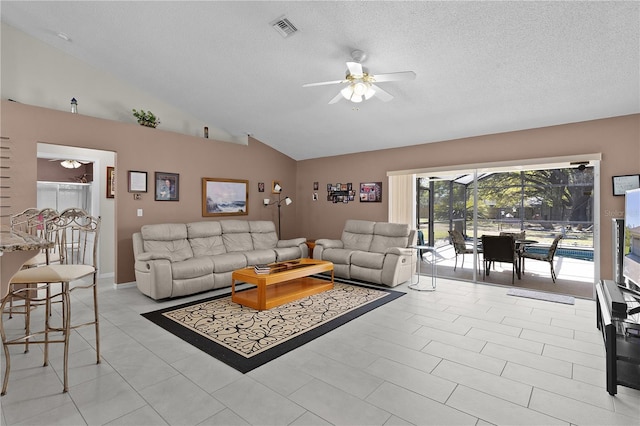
x=542 y=199
x=89 y=191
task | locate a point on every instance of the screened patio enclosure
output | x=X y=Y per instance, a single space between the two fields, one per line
x=539 y=202
x=542 y=201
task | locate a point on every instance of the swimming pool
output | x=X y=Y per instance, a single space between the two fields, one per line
x=574 y=253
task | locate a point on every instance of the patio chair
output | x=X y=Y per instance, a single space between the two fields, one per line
x=500 y=248
x=545 y=257
x=459 y=245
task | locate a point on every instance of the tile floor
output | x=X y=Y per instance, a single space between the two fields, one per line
x=464 y=354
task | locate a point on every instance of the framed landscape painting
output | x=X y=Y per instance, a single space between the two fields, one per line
x=225 y=197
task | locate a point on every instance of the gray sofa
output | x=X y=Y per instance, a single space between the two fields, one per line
x=376 y=252
x=178 y=259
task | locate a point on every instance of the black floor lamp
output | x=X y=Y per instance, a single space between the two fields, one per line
x=286 y=200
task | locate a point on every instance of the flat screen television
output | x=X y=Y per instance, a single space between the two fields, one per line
x=631 y=260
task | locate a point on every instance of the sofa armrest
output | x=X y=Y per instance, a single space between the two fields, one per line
x=291 y=243
x=400 y=251
x=150 y=255
x=327 y=243
x=154 y=277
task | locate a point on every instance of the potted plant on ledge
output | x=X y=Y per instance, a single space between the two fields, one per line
x=146 y=118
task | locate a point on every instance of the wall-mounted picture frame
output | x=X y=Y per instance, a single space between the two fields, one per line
x=137 y=181
x=167 y=186
x=371 y=192
x=111 y=182
x=225 y=197
x=260 y=186
x=315 y=186
x=273 y=187
x=340 y=192
x=623 y=183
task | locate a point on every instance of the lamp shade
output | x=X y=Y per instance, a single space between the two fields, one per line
x=266 y=201
x=277 y=187
x=288 y=201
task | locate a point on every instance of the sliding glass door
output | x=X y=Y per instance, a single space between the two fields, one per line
x=538 y=202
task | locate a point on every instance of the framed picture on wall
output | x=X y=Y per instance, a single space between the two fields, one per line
x=225 y=197
x=137 y=181
x=111 y=182
x=167 y=186
x=371 y=192
x=623 y=183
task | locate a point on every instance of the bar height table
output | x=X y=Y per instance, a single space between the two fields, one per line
x=15 y=249
x=417 y=286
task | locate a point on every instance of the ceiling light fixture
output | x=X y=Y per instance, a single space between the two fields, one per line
x=70 y=164
x=63 y=36
x=357 y=90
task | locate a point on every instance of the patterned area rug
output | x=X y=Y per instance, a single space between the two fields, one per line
x=245 y=338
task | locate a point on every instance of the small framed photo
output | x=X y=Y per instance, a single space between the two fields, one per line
x=111 y=182
x=167 y=186
x=260 y=186
x=137 y=181
x=621 y=184
x=315 y=186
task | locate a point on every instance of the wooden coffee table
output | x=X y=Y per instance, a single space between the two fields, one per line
x=287 y=281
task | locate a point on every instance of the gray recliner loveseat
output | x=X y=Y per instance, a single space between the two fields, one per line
x=178 y=259
x=376 y=252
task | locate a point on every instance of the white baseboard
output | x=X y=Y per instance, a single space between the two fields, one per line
x=124 y=285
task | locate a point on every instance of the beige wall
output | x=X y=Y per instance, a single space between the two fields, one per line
x=144 y=149
x=618 y=139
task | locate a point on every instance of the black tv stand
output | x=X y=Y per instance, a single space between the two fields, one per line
x=621 y=337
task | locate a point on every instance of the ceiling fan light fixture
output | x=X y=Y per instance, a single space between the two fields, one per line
x=70 y=164
x=369 y=93
x=360 y=88
x=347 y=92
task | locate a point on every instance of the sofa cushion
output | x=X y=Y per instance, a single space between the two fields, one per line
x=357 y=234
x=367 y=259
x=341 y=256
x=236 y=235
x=263 y=234
x=192 y=268
x=387 y=235
x=260 y=256
x=228 y=262
x=168 y=238
x=205 y=238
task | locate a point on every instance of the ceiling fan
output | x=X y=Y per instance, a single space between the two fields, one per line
x=360 y=84
x=70 y=164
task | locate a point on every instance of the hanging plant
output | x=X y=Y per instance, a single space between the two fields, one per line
x=146 y=118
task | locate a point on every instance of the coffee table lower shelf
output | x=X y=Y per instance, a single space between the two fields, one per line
x=280 y=293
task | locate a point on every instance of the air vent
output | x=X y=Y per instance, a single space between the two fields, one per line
x=284 y=27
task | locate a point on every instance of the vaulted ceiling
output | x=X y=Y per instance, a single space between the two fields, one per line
x=481 y=67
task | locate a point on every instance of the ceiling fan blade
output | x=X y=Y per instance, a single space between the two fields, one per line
x=336 y=98
x=355 y=69
x=394 y=76
x=384 y=96
x=324 y=83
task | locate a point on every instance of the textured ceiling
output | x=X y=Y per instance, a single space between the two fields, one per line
x=482 y=67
